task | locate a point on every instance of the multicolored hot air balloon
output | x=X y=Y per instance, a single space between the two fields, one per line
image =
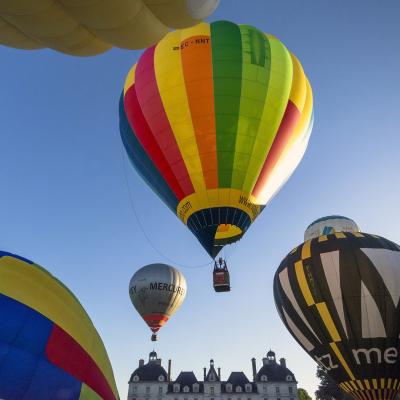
x=338 y=295
x=157 y=291
x=85 y=28
x=215 y=119
x=49 y=348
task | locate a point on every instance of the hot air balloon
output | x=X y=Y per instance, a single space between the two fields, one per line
x=85 y=28
x=157 y=291
x=215 y=119
x=49 y=348
x=330 y=224
x=338 y=295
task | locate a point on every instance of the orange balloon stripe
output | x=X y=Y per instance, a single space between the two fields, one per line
x=198 y=75
x=282 y=138
x=154 y=113
x=155 y=321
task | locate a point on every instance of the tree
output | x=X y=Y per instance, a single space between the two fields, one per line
x=328 y=389
x=302 y=394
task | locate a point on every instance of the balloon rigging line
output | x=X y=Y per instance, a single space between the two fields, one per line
x=152 y=245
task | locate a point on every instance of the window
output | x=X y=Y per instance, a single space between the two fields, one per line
x=186 y=389
x=176 y=388
x=290 y=390
x=288 y=378
x=229 y=388
x=277 y=390
x=134 y=389
x=265 y=389
x=161 y=378
x=238 y=389
x=147 y=389
x=195 y=387
x=160 y=390
x=212 y=389
x=264 y=378
x=135 y=378
x=248 y=387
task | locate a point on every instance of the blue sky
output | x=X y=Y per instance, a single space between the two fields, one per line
x=65 y=201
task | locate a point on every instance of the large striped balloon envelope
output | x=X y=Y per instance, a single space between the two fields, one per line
x=215 y=118
x=49 y=348
x=338 y=295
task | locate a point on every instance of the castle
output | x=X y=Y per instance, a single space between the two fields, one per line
x=273 y=381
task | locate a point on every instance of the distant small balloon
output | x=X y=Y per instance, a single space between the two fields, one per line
x=328 y=225
x=157 y=291
x=338 y=295
x=49 y=348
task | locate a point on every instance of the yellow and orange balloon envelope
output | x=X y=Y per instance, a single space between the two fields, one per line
x=215 y=118
x=49 y=348
x=86 y=27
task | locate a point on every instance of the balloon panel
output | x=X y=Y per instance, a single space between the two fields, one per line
x=338 y=295
x=328 y=225
x=84 y=28
x=49 y=347
x=224 y=114
x=157 y=291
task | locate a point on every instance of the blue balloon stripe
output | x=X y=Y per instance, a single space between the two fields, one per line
x=23 y=327
x=30 y=377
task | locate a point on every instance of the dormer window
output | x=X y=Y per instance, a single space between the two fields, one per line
x=289 y=378
x=186 y=389
x=176 y=388
x=229 y=387
x=264 y=378
x=161 y=378
x=238 y=389
x=195 y=387
x=248 y=387
x=135 y=378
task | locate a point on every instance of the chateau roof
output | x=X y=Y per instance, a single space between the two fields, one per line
x=149 y=372
x=275 y=372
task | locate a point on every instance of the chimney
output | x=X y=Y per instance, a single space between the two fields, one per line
x=253 y=364
x=282 y=361
x=205 y=373
x=169 y=370
x=265 y=361
x=219 y=373
x=141 y=362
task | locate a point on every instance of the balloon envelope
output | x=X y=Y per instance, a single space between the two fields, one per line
x=215 y=118
x=83 y=28
x=328 y=225
x=157 y=291
x=338 y=295
x=49 y=348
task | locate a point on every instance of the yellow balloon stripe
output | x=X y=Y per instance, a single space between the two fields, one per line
x=218 y=198
x=34 y=286
x=130 y=79
x=171 y=86
x=275 y=105
x=302 y=280
x=298 y=91
x=328 y=321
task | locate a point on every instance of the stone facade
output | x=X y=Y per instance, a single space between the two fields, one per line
x=273 y=381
